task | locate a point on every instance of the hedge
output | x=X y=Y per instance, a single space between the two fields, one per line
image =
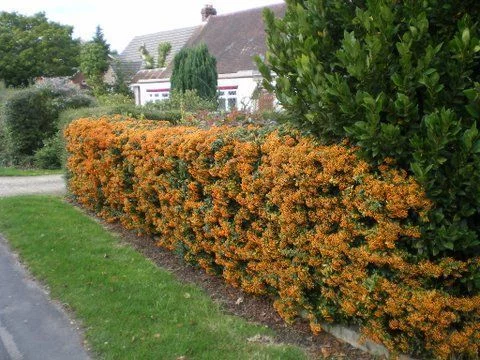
x=315 y=227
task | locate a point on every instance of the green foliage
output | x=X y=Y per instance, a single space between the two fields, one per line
x=126 y=110
x=120 y=85
x=188 y=101
x=99 y=39
x=163 y=51
x=195 y=69
x=93 y=64
x=401 y=80
x=114 y=99
x=31 y=116
x=50 y=155
x=31 y=46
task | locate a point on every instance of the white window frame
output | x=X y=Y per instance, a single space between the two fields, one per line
x=227 y=93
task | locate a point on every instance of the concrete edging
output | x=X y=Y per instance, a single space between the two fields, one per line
x=353 y=337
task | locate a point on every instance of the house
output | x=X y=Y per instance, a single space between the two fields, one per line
x=233 y=39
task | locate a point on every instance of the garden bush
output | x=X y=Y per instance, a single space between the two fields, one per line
x=322 y=231
x=31 y=115
x=50 y=156
x=401 y=80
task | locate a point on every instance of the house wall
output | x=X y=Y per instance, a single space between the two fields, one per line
x=243 y=82
x=151 y=91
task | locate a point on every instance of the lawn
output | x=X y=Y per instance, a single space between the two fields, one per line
x=130 y=308
x=10 y=171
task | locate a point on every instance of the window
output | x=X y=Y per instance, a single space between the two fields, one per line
x=221 y=104
x=232 y=103
x=227 y=98
x=157 y=95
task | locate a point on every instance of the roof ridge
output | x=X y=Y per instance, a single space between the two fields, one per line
x=247 y=10
x=167 y=31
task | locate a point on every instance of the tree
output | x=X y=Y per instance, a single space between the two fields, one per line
x=163 y=51
x=32 y=46
x=195 y=69
x=99 y=39
x=401 y=80
x=94 y=61
x=93 y=64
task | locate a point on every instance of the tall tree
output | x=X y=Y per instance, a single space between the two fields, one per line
x=195 y=69
x=93 y=64
x=99 y=39
x=32 y=46
x=94 y=61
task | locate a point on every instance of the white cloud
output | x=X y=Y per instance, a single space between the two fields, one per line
x=121 y=21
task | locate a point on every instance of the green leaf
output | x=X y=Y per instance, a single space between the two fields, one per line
x=466 y=36
x=448 y=245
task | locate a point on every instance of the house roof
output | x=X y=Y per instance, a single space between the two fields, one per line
x=233 y=39
x=130 y=59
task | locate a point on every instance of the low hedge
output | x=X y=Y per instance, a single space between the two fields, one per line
x=313 y=226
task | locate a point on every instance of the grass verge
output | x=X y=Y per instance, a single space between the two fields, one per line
x=9 y=171
x=130 y=308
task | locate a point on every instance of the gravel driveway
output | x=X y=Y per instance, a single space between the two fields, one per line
x=29 y=185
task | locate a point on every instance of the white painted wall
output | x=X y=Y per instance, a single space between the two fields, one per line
x=246 y=82
x=145 y=96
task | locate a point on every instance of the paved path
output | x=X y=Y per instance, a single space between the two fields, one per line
x=32 y=326
x=27 y=185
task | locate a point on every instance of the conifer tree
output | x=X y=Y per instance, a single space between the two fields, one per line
x=195 y=69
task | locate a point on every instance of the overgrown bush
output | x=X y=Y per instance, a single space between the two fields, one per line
x=401 y=81
x=314 y=226
x=31 y=115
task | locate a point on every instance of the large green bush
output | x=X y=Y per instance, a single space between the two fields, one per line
x=31 y=115
x=401 y=81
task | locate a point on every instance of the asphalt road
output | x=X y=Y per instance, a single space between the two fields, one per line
x=29 y=185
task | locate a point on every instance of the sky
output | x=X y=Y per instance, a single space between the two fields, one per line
x=122 y=20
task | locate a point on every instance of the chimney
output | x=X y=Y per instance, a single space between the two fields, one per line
x=207 y=11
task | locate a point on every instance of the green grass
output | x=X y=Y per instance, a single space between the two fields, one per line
x=10 y=171
x=130 y=308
